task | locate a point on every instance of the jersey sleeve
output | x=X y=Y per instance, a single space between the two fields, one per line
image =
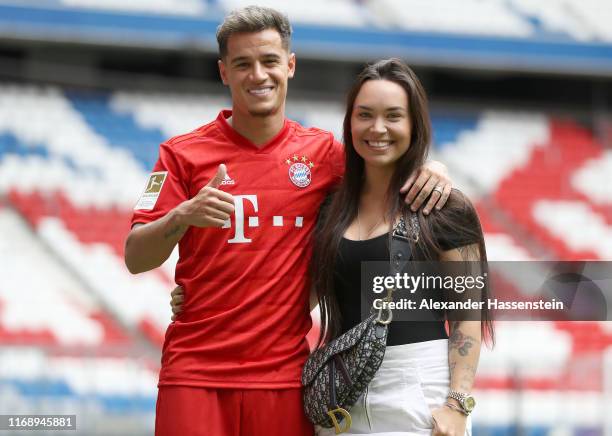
x=165 y=189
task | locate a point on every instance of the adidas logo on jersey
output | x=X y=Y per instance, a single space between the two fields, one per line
x=228 y=180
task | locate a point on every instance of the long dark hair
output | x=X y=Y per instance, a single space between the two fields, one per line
x=341 y=210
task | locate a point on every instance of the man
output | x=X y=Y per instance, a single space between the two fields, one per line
x=240 y=196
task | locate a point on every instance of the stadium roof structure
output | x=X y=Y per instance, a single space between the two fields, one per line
x=549 y=53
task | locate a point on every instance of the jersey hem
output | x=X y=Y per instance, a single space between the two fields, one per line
x=230 y=384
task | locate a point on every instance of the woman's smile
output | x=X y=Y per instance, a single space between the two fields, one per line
x=380 y=122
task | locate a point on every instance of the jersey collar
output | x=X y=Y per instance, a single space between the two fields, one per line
x=241 y=141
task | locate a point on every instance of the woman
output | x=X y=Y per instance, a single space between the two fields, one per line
x=387 y=136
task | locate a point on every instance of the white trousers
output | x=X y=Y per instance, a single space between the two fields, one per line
x=412 y=380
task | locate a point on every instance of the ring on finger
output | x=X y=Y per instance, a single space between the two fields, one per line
x=439 y=189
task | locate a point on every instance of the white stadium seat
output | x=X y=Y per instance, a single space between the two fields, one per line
x=165 y=7
x=38 y=295
x=320 y=12
x=172 y=114
x=500 y=143
x=594 y=179
x=471 y=17
x=560 y=16
x=575 y=224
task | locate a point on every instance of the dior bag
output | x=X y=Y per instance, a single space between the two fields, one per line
x=336 y=375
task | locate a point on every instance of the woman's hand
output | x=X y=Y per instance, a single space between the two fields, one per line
x=448 y=422
x=176 y=301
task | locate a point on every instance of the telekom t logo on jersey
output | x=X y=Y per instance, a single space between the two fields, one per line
x=253 y=221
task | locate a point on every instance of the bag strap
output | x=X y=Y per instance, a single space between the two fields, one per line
x=401 y=239
x=400 y=252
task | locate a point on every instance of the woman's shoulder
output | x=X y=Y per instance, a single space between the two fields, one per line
x=458 y=208
x=457 y=223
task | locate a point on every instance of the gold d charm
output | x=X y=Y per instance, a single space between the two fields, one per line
x=387 y=299
x=345 y=415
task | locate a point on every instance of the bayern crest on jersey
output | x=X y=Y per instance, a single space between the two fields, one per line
x=300 y=174
x=300 y=170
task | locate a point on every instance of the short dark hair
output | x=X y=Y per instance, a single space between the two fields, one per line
x=253 y=19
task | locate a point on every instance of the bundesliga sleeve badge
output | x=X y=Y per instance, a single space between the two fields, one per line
x=300 y=170
x=152 y=190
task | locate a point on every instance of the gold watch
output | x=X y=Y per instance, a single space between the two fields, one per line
x=466 y=401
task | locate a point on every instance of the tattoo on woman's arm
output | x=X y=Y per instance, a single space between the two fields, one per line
x=461 y=342
x=465 y=376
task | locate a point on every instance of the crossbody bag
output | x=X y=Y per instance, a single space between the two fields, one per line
x=337 y=374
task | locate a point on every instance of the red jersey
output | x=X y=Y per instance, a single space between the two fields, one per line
x=245 y=315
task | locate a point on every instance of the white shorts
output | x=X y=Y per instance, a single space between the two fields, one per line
x=412 y=380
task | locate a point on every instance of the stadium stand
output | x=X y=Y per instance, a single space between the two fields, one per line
x=76 y=191
x=495 y=34
x=41 y=303
x=69 y=194
x=564 y=18
x=166 y=7
x=319 y=12
x=108 y=395
x=79 y=334
x=122 y=130
x=447 y=16
x=583 y=21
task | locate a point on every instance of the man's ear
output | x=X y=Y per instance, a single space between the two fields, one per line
x=222 y=71
x=291 y=65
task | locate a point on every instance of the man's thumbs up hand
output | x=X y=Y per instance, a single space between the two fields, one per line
x=215 y=182
x=211 y=207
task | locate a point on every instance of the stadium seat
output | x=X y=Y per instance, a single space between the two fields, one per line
x=40 y=301
x=320 y=12
x=447 y=16
x=34 y=381
x=587 y=180
x=165 y=7
x=559 y=16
